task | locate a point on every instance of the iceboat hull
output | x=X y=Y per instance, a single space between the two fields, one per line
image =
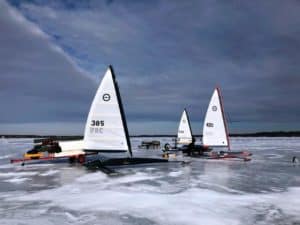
x=123 y=161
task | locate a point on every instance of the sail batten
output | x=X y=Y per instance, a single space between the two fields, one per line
x=214 y=127
x=184 y=134
x=105 y=128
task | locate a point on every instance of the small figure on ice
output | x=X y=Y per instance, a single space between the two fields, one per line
x=295 y=160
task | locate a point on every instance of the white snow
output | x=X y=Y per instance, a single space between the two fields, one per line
x=263 y=191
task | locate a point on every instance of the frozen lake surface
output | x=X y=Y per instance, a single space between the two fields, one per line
x=265 y=190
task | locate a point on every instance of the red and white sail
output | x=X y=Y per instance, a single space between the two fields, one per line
x=214 y=127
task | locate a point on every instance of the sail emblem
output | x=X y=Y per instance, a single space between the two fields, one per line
x=183 y=121
x=106 y=97
x=214 y=108
x=209 y=124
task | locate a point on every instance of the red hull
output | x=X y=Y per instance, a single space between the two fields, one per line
x=230 y=155
x=72 y=158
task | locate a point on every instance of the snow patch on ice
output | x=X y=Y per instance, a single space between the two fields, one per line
x=49 y=173
x=6 y=156
x=17 y=180
x=17 y=174
x=175 y=173
x=164 y=208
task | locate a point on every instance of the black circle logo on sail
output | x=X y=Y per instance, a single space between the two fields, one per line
x=209 y=124
x=106 y=97
x=214 y=108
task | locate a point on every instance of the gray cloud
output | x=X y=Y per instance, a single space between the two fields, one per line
x=171 y=54
x=38 y=81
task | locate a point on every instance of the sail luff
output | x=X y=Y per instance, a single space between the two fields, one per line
x=223 y=114
x=188 y=119
x=121 y=110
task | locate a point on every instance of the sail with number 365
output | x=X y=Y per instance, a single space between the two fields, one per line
x=106 y=128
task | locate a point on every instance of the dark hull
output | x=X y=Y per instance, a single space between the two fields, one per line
x=132 y=161
x=187 y=148
x=104 y=164
x=195 y=150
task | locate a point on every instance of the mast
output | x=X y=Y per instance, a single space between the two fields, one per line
x=188 y=120
x=223 y=114
x=121 y=110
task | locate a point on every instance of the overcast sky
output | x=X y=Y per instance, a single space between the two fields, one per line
x=167 y=55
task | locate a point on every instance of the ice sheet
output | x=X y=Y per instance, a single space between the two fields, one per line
x=262 y=191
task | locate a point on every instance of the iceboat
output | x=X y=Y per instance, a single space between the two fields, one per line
x=185 y=141
x=106 y=128
x=215 y=131
x=184 y=134
x=49 y=150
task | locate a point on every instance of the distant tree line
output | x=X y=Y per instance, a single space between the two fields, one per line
x=78 y=137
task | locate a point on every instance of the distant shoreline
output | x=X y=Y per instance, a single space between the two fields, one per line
x=256 y=134
x=77 y=137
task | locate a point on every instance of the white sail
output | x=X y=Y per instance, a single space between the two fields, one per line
x=105 y=129
x=184 y=134
x=214 y=128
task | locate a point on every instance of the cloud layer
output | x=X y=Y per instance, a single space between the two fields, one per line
x=38 y=81
x=171 y=54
